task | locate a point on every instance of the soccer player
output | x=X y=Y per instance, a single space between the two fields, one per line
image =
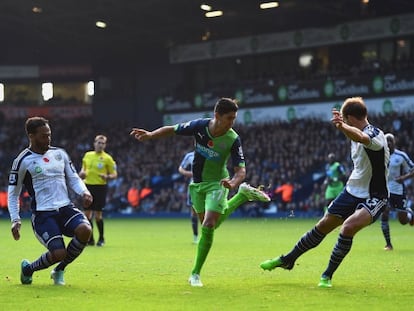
x=335 y=173
x=363 y=199
x=47 y=172
x=401 y=168
x=186 y=170
x=215 y=142
x=97 y=168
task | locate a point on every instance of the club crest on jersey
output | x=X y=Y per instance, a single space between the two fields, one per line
x=38 y=169
x=46 y=160
x=210 y=144
x=13 y=179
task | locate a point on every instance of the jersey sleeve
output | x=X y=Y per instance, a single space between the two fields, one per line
x=16 y=177
x=377 y=138
x=189 y=128
x=237 y=155
x=111 y=165
x=72 y=177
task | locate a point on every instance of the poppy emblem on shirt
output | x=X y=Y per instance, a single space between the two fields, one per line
x=210 y=144
x=46 y=160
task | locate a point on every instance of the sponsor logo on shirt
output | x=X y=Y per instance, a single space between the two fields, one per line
x=208 y=153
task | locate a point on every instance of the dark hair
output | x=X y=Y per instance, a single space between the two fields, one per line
x=354 y=106
x=226 y=105
x=32 y=124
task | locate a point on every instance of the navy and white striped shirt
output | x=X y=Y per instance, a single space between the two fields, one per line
x=370 y=172
x=46 y=178
x=400 y=164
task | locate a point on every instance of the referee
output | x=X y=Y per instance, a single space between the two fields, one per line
x=97 y=168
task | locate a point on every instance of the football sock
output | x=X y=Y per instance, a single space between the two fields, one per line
x=386 y=231
x=194 y=224
x=91 y=222
x=41 y=263
x=74 y=249
x=203 y=248
x=341 y=249
x=309 y=240
x=100 y=225
x=237 y=200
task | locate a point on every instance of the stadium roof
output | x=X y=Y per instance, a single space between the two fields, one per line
x=64 y=31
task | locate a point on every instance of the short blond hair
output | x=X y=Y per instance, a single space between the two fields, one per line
x=99 y=137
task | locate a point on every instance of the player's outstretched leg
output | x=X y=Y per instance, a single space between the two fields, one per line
x=244 y=194
x=252 y=193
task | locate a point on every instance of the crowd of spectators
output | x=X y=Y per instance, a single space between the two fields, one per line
x=277 y=153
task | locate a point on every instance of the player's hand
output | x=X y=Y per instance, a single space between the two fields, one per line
x=337 y=119
x=227 y=183
x=87 y=199
x=140 y=134
x=15 y=229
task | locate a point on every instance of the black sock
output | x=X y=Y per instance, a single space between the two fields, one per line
x=100 y=225
x=91 y=222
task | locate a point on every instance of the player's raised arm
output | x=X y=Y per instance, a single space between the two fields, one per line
x=141 y=134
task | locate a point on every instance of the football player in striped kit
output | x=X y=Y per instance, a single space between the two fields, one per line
x=46 y=172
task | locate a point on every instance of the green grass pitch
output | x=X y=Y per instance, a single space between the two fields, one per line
x=145 y=265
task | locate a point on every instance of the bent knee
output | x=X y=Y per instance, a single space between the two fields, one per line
x=83 y=232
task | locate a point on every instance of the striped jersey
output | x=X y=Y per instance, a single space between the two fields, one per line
x=369 y=175
x=400 y=164
x=45 y=177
